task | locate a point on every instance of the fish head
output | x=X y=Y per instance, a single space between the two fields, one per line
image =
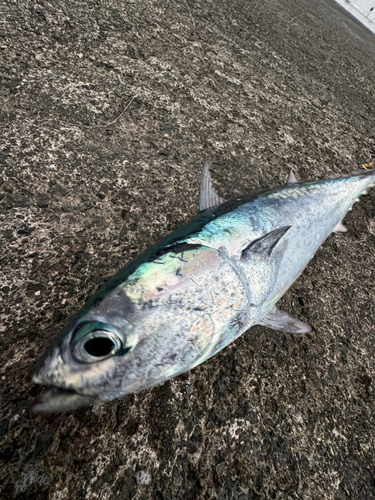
x=84 y=365
x=106 y=355
x=148 y=329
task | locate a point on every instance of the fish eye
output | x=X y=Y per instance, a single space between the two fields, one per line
x=98 y=345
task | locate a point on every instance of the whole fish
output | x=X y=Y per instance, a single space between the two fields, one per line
x=195 y=291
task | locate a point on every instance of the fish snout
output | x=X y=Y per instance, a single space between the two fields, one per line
x=54 y=370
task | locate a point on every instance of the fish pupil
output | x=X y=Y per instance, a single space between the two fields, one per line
x=99 y=346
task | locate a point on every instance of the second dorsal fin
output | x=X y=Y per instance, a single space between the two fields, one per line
x=208 y=195
x=292 y=178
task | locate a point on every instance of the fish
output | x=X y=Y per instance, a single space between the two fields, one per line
x=196 y=290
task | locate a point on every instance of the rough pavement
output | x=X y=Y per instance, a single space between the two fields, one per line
x=109 y=110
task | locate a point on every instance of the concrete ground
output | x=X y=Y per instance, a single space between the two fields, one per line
x=109 y=109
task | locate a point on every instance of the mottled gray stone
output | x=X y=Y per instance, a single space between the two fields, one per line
x=86 y=183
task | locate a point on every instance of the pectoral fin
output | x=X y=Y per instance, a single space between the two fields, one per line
x=282 y=321
x=208 y=195
x=265 y=244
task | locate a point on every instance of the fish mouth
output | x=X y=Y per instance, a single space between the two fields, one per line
x=58 y=399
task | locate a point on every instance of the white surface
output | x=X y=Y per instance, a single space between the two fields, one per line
x=363 y=10
x=367 y=7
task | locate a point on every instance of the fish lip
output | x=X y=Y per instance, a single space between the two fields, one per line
x=60 y=396
x=59 y=399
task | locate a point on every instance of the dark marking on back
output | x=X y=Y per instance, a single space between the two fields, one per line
x=178 y=273
x=176 y=248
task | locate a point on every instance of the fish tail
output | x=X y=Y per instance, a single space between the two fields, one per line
x=366 y=177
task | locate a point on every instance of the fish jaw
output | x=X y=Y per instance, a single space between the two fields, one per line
x=74 y=384
x=64 y=395
x=57 y=400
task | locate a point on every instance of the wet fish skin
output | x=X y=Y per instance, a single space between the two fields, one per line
x=196 y=291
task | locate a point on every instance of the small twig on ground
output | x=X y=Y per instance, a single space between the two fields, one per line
x=200 y=54
x=94 y=126
x=115 y=120
x=192 y=18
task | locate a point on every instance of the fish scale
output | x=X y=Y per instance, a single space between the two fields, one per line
x=195 y=291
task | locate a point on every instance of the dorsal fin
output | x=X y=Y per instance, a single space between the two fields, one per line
x=291 y=178
x=265 y=244
x=208 y=195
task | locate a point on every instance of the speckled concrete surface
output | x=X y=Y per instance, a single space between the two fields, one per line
x=256 y=88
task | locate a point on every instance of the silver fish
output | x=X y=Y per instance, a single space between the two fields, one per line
x=197 y=290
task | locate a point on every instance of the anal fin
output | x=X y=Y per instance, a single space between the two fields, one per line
x=284 y=322
x=340 y=228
